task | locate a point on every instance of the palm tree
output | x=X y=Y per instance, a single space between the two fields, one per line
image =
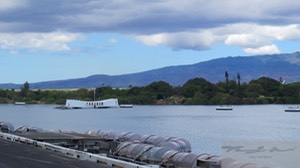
x=227 y=81
x=226 y=76
x=239 y=79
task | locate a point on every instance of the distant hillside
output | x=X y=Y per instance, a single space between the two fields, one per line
x=286 y=66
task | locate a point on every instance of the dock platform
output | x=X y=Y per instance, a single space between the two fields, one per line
x=78 y=141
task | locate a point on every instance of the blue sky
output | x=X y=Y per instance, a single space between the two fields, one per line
x=61 y=39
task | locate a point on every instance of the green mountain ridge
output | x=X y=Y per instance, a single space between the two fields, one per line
x=284 y=66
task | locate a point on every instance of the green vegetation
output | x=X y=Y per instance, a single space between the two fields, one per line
x=195 y=91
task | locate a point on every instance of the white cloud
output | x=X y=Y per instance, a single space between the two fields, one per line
x=253 y=38
x=153 y=40
x=268 y=49
x=54 y=41
x=140 y=17
x=245 y=40
x=112 y=41
x=182 y=40
x=6 y=5
x=288 y=32
x=190 y=24
x=259 y=39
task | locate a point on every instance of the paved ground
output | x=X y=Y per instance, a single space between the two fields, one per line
x=15 y=155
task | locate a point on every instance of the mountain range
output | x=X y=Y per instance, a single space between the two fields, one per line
x=285 y=66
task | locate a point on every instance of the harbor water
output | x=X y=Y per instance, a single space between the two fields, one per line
x=204 y=126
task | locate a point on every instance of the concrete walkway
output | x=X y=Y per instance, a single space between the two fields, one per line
x=16 y=155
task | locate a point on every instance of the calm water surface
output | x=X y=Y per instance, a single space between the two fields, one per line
x=205 y=127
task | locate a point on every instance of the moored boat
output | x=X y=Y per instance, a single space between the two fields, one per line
x=20 y=103
x=126 y=105
x=224 y=108
x=293 y=109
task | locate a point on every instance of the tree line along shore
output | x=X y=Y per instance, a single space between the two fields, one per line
x=197 y=91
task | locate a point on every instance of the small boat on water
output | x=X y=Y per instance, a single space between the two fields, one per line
x=20 y=103
x=224 y=108
x=126 y=105
x=293 y=109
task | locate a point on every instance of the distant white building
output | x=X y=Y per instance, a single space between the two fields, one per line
x=78 y=104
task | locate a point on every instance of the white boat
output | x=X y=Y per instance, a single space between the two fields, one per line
x=293 y=109
x=78 y=104
x=20 y=103
x=224 y=108
x=126 y=105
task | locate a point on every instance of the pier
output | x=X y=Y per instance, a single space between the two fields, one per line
x=33 y=147
x=78 y=141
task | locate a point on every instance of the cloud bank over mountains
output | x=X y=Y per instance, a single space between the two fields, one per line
x=255 y=25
